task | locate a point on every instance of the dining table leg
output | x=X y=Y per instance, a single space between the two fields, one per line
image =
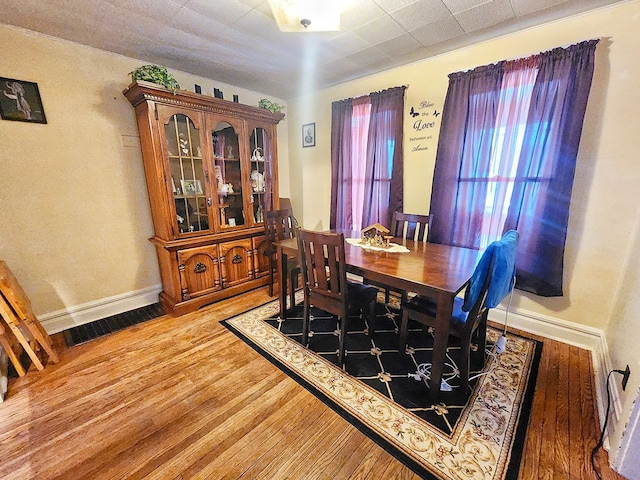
x=440 y=342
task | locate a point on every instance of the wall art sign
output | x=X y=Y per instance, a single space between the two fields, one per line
x=424 y=118
x=20 y=101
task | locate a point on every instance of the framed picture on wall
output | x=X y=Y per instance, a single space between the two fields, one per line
x=20 y=101
x=309 y=135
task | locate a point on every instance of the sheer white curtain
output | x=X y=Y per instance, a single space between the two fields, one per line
x=511 y=120
x=359 y=140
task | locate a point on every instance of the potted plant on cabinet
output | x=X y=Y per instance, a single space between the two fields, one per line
x=155 y=74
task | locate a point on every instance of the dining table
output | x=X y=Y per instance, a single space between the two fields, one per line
x=436 y=271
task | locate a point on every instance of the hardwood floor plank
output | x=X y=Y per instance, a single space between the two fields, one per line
x=561 y=443
x=328 y=466
x=270 y=440
x=306 y=445
x=366 y=468
x=577 y=466
x=348 y=468
x=202 y=430
x=547 y=455
x=287 y=441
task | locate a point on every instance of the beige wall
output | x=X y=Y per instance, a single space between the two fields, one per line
x=601 y=259
x=75 y=211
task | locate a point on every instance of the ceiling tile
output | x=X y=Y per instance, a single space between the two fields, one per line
x=369 y=56
x=222 y=11
x=393 y=5
x=380 y=30
x=485 y=15
x=359 y=13
x=346 y=44
x=457 y=6
x=399 y=45
x=421 y=13
x=524 y=7
x=437 y=32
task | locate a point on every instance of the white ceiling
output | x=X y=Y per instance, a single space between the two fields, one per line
x=238 y=42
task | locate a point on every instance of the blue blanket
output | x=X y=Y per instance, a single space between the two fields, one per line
x=503 y=252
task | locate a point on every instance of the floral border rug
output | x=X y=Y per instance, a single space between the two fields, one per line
x=476 y=436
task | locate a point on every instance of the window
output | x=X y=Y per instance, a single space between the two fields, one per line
x=506 y=158
x=366 y=165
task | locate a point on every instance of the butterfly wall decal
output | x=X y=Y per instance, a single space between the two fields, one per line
x=413 y=112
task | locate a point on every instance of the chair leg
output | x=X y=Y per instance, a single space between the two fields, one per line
x=465 y=348
x=372 y=317
x=306 y=322
x=404 y=330
x=293 y=284
x=479 y=357
x=343 y=334
x=271 y=280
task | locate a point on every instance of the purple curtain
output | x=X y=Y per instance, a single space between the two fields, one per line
x=539 y=204
x=540 y=210
x=383 y=191
x=464 y=152
x=341 y=193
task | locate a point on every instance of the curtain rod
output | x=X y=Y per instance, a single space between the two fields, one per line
x=406 y=85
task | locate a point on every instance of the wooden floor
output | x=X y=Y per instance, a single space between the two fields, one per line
x=179 y=398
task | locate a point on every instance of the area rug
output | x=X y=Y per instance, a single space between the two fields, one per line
x=472 y=435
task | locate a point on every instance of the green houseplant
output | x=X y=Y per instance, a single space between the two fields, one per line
x=269 y=105
x=155 y=74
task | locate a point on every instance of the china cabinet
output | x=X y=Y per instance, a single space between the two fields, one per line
x=211 y=172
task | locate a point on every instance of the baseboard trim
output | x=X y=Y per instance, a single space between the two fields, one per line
x=582 y=336
x=64 y=319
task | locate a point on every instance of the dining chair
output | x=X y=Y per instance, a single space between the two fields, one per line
x=491 y=281
x=410 y=226
x=325 y=284
x=281 y=225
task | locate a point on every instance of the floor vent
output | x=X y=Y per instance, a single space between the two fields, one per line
x=104 y=326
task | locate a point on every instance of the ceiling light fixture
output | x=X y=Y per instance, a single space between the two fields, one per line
x=307 y=15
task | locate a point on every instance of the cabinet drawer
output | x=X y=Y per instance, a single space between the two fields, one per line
x=236 y=262
x=199 y=271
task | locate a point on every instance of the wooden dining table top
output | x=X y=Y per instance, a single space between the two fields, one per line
x=427 y=268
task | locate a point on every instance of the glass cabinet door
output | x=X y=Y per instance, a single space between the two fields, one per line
x=187 y=174
x=228 y=176
x=261 y=173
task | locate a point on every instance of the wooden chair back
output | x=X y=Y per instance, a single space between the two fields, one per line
x=285 y=202
x=279 y=224
x=324 y=275
x=411 y=226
